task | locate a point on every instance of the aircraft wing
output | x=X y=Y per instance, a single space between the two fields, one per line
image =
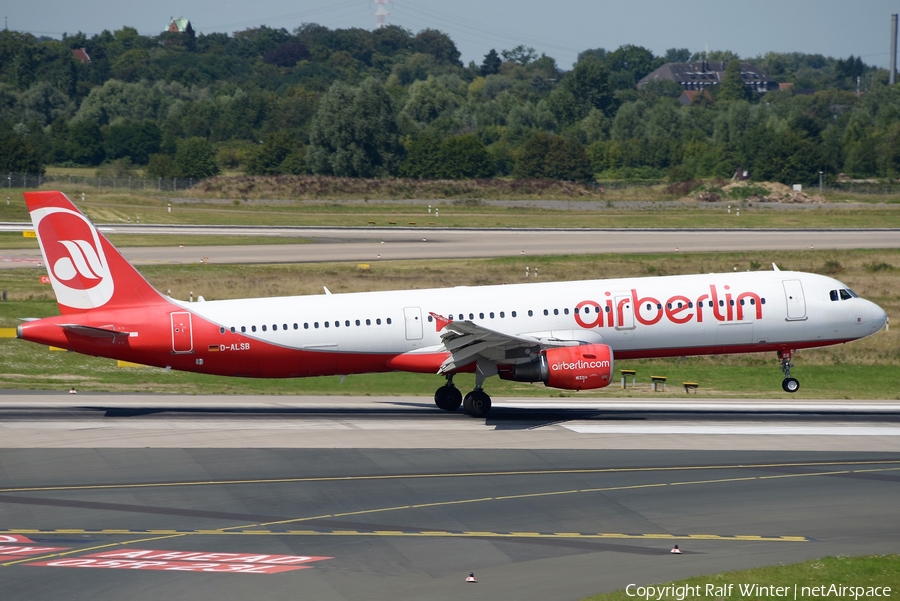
x=467 y=342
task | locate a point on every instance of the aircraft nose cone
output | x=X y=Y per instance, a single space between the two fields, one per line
x=879 y=318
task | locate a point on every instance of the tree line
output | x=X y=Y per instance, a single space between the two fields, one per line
x=393 y=103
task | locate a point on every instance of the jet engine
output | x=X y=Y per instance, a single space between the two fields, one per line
x=581 y=367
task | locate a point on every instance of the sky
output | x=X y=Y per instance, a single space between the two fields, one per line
x=559 y=28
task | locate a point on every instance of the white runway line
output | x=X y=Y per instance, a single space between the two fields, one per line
x=737 y=429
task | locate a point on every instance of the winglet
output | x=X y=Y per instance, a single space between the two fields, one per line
x=775 y=267
x=440 y=322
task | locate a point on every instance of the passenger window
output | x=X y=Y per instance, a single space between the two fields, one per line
x=368 y=322
x=461 y=317
x=649 y=306
x=502 y=314
x=252 y=328
x=429 y=319
x=316 y=325
x=731 y=302
x=742 y=301
x=243 y=328
x=326 y=324
x=530 y=313
x=284 y=326
x=337 y=323
x=471 y=316
x=721 y=303
x=607 y=308
x=306 y=325
x=491 y=314
x=513 y=313
x=833 y=294
x=232 y=329
x=296 y=326
x=388 y=320
x=378 y=322
x=556 y=311
x=710 y=303
x=264 y=328
x=566 y=310
x=576 y=310
x=691 y=304
x=481 y=316
x=763 y=301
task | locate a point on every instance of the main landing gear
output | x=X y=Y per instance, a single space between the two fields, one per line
x=448 y=397
x=789 y=384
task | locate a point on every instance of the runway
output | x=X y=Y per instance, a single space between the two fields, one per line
x=175 y=421
x=364 y=244
x=344 y=498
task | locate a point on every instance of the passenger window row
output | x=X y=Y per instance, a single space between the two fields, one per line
x=306 y=325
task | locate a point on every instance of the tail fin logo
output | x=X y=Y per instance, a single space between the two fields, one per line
x=75 y=259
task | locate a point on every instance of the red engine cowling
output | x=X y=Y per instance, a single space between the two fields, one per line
x=571 y=368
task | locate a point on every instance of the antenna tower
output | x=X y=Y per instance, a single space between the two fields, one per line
x=381 y=12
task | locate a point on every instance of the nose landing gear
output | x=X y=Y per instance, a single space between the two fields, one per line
x=789 y=384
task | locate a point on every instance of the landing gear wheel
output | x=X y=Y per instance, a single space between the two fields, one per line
x=448 y=398
x=477 y=403
x=790 y=385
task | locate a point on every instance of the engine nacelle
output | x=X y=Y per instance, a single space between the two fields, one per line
x=581 y=367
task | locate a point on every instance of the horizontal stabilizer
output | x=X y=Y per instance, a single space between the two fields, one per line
x=92 y=332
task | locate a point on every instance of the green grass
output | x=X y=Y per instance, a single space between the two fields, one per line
x=871 y=571
x=24 y=365
x=119 y=206
x=12 y=240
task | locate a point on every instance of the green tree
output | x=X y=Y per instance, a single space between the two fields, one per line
x=195 y=158
x=465 y=157
x=85 y=143
x=134 y=140
x=547 y=156
x=491 y=63
x=354 y=133
x=585 y=87
x=732 y=87
x=279 y=154
x=456 y=157
x=16 y=154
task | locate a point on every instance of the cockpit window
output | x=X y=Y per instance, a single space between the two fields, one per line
x=853 y=294
x=845 y=294
x=833 y=294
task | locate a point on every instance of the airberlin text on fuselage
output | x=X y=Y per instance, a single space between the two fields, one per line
x=615 y=311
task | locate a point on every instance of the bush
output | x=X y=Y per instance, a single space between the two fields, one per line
x=195 y=158
x=547 y=156
x=832 y=268
x=683 y=188
x=876 y=267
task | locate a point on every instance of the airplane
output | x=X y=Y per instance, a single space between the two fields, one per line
x=563 y=334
